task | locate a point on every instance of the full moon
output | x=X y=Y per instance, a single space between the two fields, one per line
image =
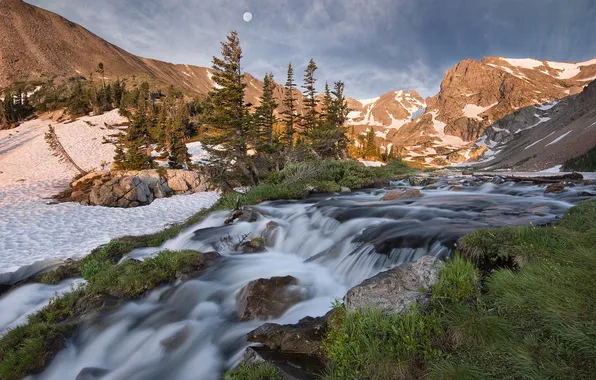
x=247 y=16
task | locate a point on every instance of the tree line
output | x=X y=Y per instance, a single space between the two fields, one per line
x=244 y=146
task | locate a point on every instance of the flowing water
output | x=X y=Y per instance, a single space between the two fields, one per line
x=328 y=242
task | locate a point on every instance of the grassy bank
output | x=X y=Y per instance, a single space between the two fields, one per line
x=584 y=163
x=29 y=348
x=515 y=303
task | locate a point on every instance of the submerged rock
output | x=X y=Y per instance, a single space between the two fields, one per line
x=393 y=195
x=422 y=181
x=268 y=298
x=92 y=373
x=395 y=290
x=291 y=366
x=555 y=188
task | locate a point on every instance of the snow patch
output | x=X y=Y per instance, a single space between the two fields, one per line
x=536 y=142
x=547 y=106
x=366 y=102
x=554 y=169
x=559 y=138
x=472 y=110
x=372 y=163
x=525 y=63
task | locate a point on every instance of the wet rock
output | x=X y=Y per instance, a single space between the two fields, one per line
x=92 y=373
x=431 y=187
x=304 y=337
x=588 y=182
x=554 y=188
x=422 y=181
x=345 y=190
x=587 y=194
x=270 y=234
x=268 y=298
x=497 y=180
x=393 y=195
x=291 y=366
x=454 y=183
x=176 y=340
x=443 y=173
x=394 y=291
x=195 y=267
x=255 y=245
x=244 y=214
x=456 y=188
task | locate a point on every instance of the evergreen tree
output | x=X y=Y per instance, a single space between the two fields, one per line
x=264 y=115
x=371 y=150
x=327 y=105
x=117 y=91
x=309 y=119
x=179 y=157
x=289 y=103
x=137 y=140
x=226 y=120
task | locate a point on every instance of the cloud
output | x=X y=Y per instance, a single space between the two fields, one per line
x=373 y=45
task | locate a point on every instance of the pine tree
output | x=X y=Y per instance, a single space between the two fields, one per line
x=309 y=119
x=289 y=103
x=340 y=115
x=264 y=115
x=137 y=140
x=371 y=150
x=179 y=157
x=226 y=121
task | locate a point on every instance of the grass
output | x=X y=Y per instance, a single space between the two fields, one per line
x=261 y=371
x=584 y=163
x=28 y=348
x=517 y=303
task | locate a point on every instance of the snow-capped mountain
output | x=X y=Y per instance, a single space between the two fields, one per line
x=473 y=96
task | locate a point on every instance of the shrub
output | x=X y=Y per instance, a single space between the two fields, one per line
x=459 y=281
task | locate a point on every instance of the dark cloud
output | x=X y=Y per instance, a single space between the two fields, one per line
x=373 y=45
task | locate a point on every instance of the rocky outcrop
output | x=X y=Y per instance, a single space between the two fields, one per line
x=422 y=180
x=395 y=290
x=268 y=298
x=393 y=195
x=290 y=366
x=132 y=188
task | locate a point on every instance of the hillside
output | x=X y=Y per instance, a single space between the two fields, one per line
x=36 y=44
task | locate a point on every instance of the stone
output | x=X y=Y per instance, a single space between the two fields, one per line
x=422 y=181
x=497 y=180
x=345 y=190
x=255 y=245
x=91 y=373
x=176 y=340
x=268 y=298
x=393 y=195
x=456 y=188
x=290 y=366
x=89 y=177
x=396 y=290
x=304 y=337
x=270 y=234
x=554 y=188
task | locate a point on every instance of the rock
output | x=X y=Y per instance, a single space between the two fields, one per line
x=195 y=267
x=255 y=245
x=422 y=181
x=270 y=234
x=244 y=214
x=89 y=177
x=554 y=188
x=310 y=189
x=304 y=337
x=50 y=202
x=345 y=190
x=456 y=188
x=393 y=195
x=467 y=173
x=588 y=182
x=443 y=173
x=587 y=194
x=91 y=373
x=497 y=180
x=395 y=290
x=265 y=298
x=290 y=366
x=454 y=183
x=176 y=340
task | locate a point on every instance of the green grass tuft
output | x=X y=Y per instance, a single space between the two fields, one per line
x=262 y=371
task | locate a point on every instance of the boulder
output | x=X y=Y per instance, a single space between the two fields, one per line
x=554 y=188
x=422 y=181
x=290 y=366
x=393 y=195
x=345 y=189
x=395 y=290
x=270 y=234
x=268 y=298
x=255 y=245
x=497 y=180
x=304 y=337
x=92 y=373
x=456 y=188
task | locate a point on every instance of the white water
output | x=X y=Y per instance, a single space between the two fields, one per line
x=329 y=243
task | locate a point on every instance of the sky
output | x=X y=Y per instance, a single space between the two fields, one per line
x=374 y=46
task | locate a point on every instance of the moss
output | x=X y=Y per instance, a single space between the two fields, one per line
x=261 y=371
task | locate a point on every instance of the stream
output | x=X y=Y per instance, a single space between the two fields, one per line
x=329 y=242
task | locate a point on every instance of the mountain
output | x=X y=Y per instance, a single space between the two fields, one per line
x=542 y=136
x=473 y=95
x=36 y=44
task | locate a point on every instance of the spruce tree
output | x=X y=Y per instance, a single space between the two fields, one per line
x=327 y=105
x=289 y=112
x=226 y=120
x=371 y=150
x=309 y=119
x=137 y=140
x=179 y=157
x=264 y=115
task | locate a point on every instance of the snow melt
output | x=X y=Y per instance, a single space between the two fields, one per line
x=525 y=63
